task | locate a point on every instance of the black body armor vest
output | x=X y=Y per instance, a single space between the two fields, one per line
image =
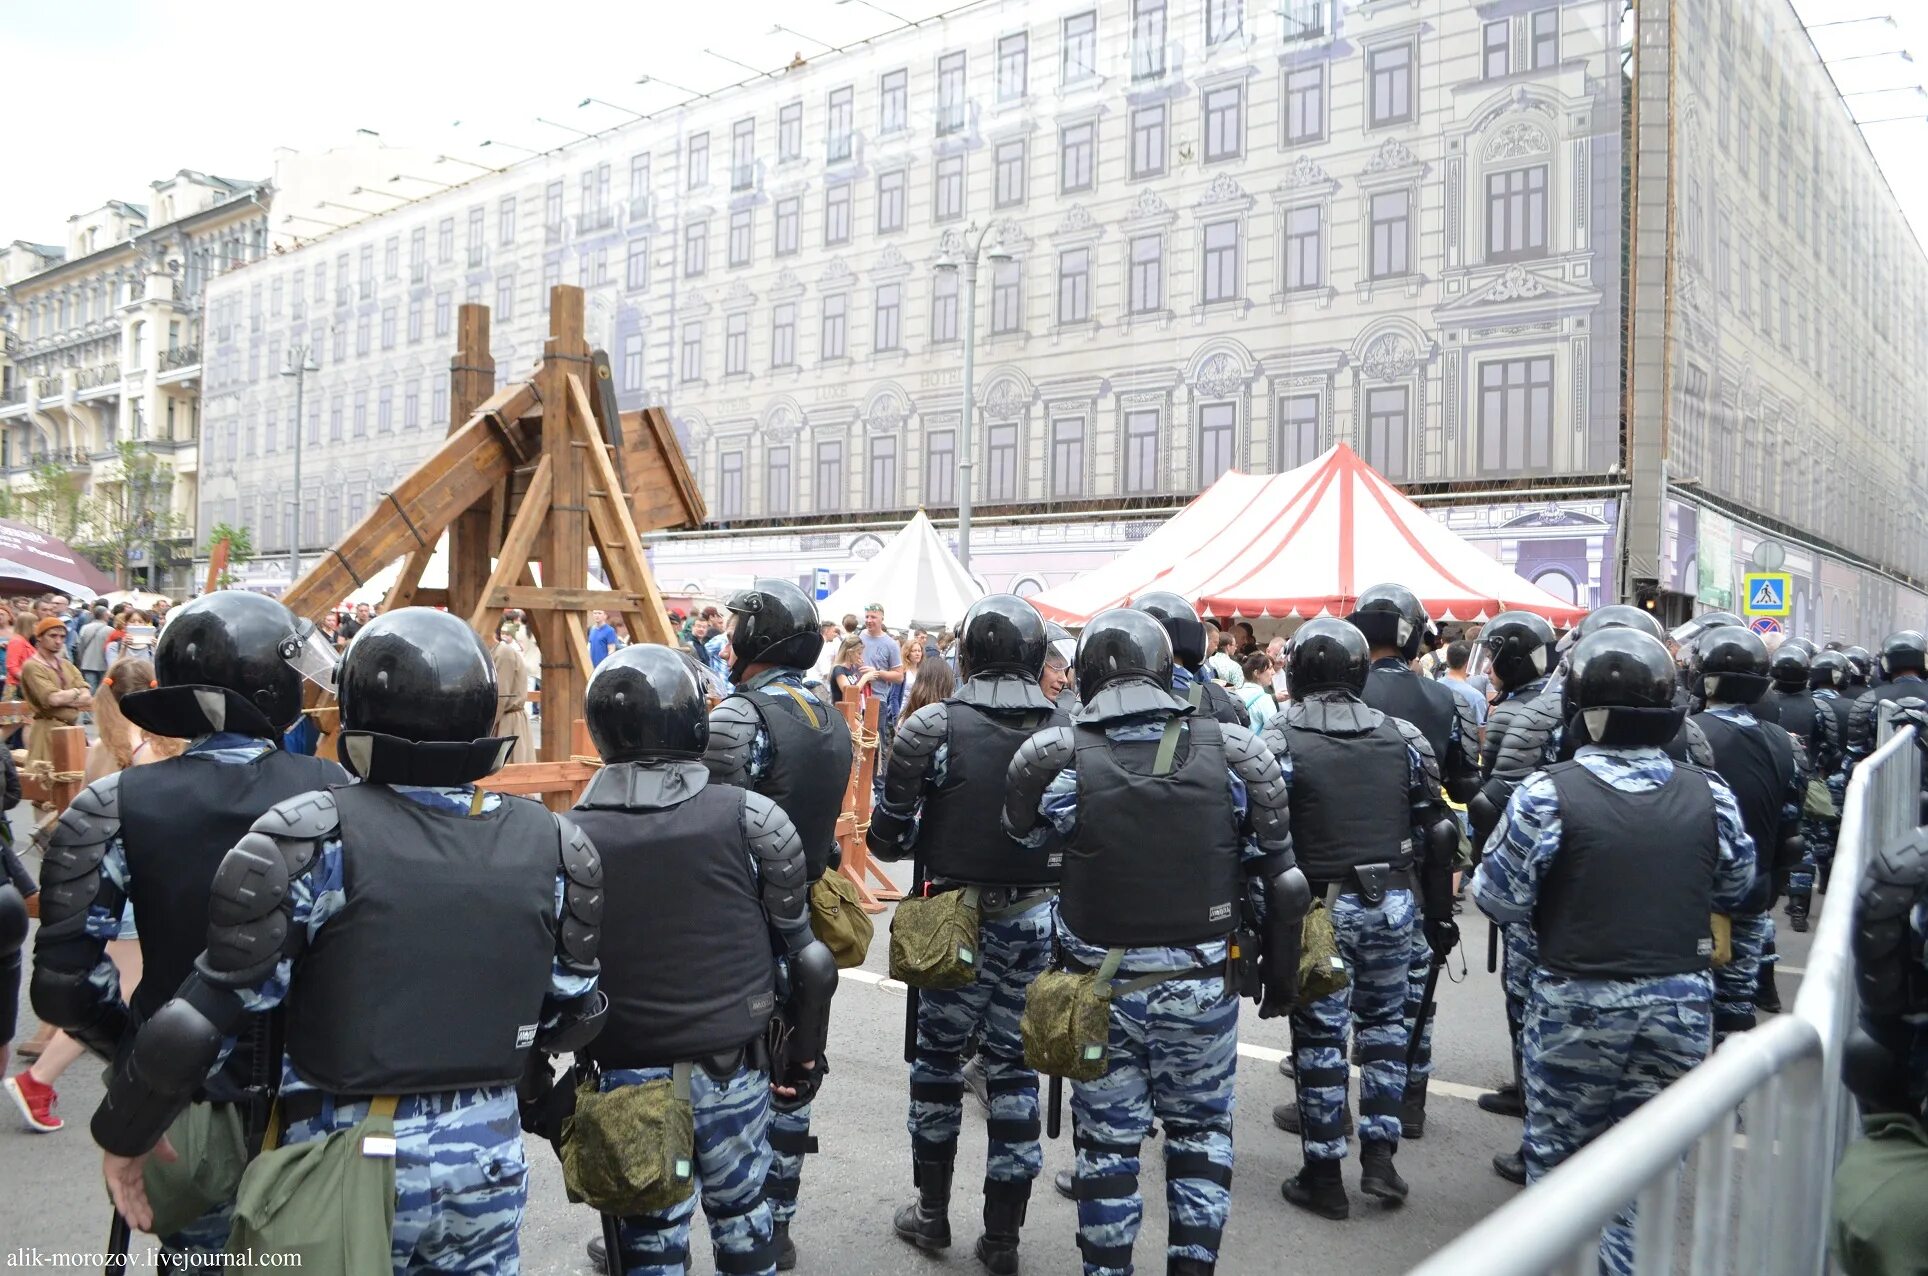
x=179 y=818
x=1841 y=707
x=960 y=837
x=1424 y=703
x=1619 y=902
x=1209 y=697
x=1758 y=765
x=433 y=974
x=1155 y=859
x=808 y=772
x=1349 y=800
x=688 y=971
x=1797 y=714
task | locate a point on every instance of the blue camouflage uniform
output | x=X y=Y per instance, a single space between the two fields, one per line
x=1593 y=1050
x=1173 y=1052
x=460 y=1177
x=1819 y=834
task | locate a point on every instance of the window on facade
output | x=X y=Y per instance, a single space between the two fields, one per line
x=696 y=169
x=368 y=258
x=1391 y=234
x=1141 y=451
x=362 y=334
x=551 y=210
x=505 y=297
x=948 y=198
x=361 y=414
x=1013 y=66
x=388 y=327
x=783 y=335
x=950 y=93
x=776 y=480
x=893 y=101
x=790 y=132
x=633 y=361
x=1516 y=215
x=1217 y=440
x=477 y=249
x=692 y=361
x=830 y=476
x=1305 y=105
x=1008 y=174
x=411 y=405
x=1546 y=38
x=439 y=399
x=831 y=342
x=444 y=313
x=742 y=154
x=944 y=307
x=883 y=472
x=1007 y=297
x=1147 y=39
x=1080 y=56
x=1067 y=457
x=1297 y=431
x=890 y=201
x=1220 y=274
x=1001 y=462
x=1389 y=72
x=391 y=263
x=1386 y=429
x=1076 y=145
x=840 y=122
x=729 y=494
x=1516 y=415
x=414 y=319
x=1147 y=274
x=1224 y=138
x=740 y=237
x=1148 y=141
x=1074 y=286
x=504 y=222
x=789 y=219
x=1495 y=48
x=1224 y=20
x=940 y=467
x=639 y=185
x=736 y=345
x=836 y=213
x=887 y=322
x=342 y=296
x=636 y=265
x=385 y=410
x=1304 y=247
x=696 y=248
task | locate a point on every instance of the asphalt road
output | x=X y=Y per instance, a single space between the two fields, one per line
x=50 y=1196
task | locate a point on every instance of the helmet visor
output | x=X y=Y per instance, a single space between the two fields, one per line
x=312 y=654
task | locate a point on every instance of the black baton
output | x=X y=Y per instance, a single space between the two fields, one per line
x=1492 y=947
x=1054 y=1109
x=1426 y=1008
x=118 y=1235
x=612 y=1243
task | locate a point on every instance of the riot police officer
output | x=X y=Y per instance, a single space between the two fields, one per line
x=696 y=868
x=1760 y=764
x=1617 y=1007
x=1375 y=840
x=485 y=908
x=1797 y=707
x=1394 y=623
x=149 y=839
x=1167 y=815
x=1690 y=745
x=1190 y=682
x=780 y=738
x=947 y=768
x=1902 y=664
x=1828 y=675
x=1860 y=673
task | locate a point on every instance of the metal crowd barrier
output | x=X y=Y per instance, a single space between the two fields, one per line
x=1755 y=1131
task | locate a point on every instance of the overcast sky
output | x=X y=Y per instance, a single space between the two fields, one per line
x=105 y=96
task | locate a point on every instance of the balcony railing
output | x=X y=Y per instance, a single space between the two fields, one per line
x=552 y=232
x=595 y=219
x=101 y=374
x=13 y=394
x=639 y=208
x=180 y=357
x=47 y=388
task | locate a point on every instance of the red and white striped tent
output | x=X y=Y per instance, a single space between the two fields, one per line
x=1302 y=544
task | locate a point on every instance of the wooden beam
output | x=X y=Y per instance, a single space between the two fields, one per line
x=579 y=643
x=664 y=492
x=514 y=559
x=471 y=536
x=575 y=601
x=565 y=539
x=621 y=547
x=409 y=581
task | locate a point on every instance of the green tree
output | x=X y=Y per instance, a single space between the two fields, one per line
x=130 y=521
x=240 y=549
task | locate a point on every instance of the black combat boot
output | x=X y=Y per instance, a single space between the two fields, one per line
x=1004 y=1208
x=1767 y=995
x=1189 y=1267
x=1377 y=1177
x=1412 y=1111
x=926 y=1222
x=1287 y=1068
x=1286 y=1117
x=1509 y=1099
x=599 y=1255
x=1799 y=905
x=786 y=1249
x=1510 y=1166
x=1823 y=870
x=1318 y=1188
x=1066 y=1181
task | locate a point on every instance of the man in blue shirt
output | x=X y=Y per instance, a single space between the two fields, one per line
x=602 y=638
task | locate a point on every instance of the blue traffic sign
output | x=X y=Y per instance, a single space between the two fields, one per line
x=1767 y=594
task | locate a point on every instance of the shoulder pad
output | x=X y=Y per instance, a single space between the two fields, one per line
x=1699 y=752
x=733 y=727
x=1048 y=752
x=100 y=800
x=1252 y=762
x=921 y=733
x=582 y=896
x=307 y=817
x=248 y=908
x=1276 y=738
x=1243 y=748
x=733 y=713
x=1413 y=736
x=70 y=862
x=772 y=835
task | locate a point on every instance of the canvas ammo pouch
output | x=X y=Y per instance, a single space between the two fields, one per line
x=837 y=917
x=1819 y=804
x=933 y=939
x=210 y=1147
x=1066 y=1025
x=1322 y=971
x=328 y=1201
x=1721 y=926
x=631 y=1150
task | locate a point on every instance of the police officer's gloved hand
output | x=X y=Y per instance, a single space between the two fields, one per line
x=1442 y=936
x=804 y=1082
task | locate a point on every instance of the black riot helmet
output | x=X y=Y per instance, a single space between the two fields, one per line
x=1619 y=616
x=1123 y=645
x=644 y=704
x=1904 y=651
x=1828 y=669
x=1803 y=645
x=1001 y=634
x=1730 y=664
x=1686 y=635
x=1860 y=666
x=1621 y=681
x=773 y=623
x=224 y=662
x=1788 y=667
x=418 y=701
x=1519 y=647
x=1328 y=654
x=1391 y=616
x=1181 y=622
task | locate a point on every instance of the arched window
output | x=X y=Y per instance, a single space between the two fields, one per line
x=1559 y=584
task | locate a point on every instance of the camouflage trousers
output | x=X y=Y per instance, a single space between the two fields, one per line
x=207 y=1234
x=790 y=1142
x=1012 y=951
x=1594 y=1050
x=1414 y=1019
x=1173 y=1052
x=732 y=1161
x=1736 y=983
x=460 y=1178
x=1376 y=942
x=1817 y=839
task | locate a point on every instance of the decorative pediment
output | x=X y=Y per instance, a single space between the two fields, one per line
x=1221 y=376
x=1391 y=156
x=1078 y=224
x=787 y=285
x=782 y=423
x=835 y=275
x=1516 y=140
x=739 y=296
x=1519 y=290
x=1147 y=205
x=1224 y=189
x=1006 y=401
x=1390 y=356
x=886 y=414
x=1305 y=172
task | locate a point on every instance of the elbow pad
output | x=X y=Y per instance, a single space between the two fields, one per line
x=13 y=918
x=1033 y=767
x=582 y=900
x=783 y=872
x=70 y=872
x=1288 y=897
x=813 y=982
x=911 y=751
x=1484 y=815
x=155 y=1081
x=71 y=1001
x=579 y=1022
x=733 y=727
x=1268 y=800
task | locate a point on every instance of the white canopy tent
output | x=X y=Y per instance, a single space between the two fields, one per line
x=916 y=578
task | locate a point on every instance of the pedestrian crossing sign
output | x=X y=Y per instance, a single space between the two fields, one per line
x=1768 y=594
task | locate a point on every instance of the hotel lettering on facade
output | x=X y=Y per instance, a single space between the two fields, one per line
x=1214 y=236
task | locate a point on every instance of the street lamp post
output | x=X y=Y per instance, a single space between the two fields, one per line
x=966 y=424
x=299 y=363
